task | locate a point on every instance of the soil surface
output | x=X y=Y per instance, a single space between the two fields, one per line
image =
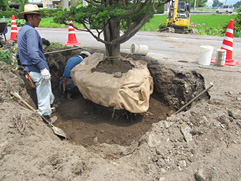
x=202 y=142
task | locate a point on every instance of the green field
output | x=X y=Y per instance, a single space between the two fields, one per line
x=212 y=21
x=201 y=21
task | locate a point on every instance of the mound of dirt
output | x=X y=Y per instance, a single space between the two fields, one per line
x=203 y=142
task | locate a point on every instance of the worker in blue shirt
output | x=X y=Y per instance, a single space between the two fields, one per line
x=66 y=82
x=31 y=56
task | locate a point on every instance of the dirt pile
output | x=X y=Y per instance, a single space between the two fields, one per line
x=202 y=143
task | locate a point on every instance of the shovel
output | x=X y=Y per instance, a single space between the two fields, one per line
x=55 y=129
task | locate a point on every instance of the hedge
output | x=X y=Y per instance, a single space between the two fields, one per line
x=8 y=14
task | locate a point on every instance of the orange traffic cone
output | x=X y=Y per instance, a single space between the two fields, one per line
x=14 y=29
x=228 y=45
x=71 y=35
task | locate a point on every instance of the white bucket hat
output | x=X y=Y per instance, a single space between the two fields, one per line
x=30 y=9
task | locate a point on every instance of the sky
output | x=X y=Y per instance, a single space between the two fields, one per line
x=210 y=2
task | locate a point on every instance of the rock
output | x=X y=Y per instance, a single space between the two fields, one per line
x=117 y=74
x=107 y=141
x=162 y=179
x=182 y=163
x=199 y=175
x=235 y=113
x=238 y=98
x=102 y=131
x=186 y=133
x=158 y=152
x=204 y=175
x=155 y=159
x=161 y=163
x=238 y=123
x=168 y=124
x=163 y=170
x=171 y=112
x=95 y=140
x=229 y=93
x=153 y=140
x=223 y=119
x=190 y=158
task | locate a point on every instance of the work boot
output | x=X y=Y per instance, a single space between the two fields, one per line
x=50 y=119
x=69 y=96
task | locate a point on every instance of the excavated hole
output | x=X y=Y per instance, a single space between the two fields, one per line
x=89 y=124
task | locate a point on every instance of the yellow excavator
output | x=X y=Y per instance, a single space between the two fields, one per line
x=178 y=20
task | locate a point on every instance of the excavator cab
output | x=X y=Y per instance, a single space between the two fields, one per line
x=179 y=16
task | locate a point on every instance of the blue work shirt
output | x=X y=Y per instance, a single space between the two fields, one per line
x=30 y=49
x=71 y=63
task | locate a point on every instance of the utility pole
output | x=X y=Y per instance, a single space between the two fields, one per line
x=85 y=4
x=195 y=5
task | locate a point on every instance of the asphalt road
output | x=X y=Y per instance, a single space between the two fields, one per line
x=160 y=45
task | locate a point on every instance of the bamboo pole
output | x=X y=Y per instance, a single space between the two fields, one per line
x=57 y=51
x=194 y=98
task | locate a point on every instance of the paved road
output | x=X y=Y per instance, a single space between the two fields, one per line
x=161 y=45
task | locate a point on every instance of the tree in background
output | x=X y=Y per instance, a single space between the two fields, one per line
x=3 y=5
x=199 y=3
x=237 y=4
x=217 y=3
x=108 y=17
x=236 y=27
x=237 y=22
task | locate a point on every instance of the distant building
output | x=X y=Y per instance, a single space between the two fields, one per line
x=35 y=1
x=49 y=4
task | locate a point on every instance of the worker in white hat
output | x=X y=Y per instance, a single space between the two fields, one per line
x=66 y=83
x=31 y=56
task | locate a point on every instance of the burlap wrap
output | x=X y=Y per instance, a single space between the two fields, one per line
x=130 y=92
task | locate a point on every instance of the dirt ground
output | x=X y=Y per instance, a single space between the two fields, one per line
x=201 y=142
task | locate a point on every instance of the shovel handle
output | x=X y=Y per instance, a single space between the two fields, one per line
x=15 y=94
x=55 y=129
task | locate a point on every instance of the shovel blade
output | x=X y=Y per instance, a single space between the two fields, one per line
x=59 y=132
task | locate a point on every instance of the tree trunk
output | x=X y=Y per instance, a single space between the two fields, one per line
x=111 y=32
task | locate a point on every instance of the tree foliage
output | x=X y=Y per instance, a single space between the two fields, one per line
x=217 y=3
x=3 y=5
x=22 y=3
x=199 y=3
x=109 y=17
x=237 y=4
x=237 y=22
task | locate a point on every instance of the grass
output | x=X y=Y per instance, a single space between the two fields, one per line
x=49 y=23
x=210 y=21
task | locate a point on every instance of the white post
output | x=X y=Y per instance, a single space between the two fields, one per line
x=85 y=4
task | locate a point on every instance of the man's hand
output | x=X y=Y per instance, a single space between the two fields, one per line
x=45 y=74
